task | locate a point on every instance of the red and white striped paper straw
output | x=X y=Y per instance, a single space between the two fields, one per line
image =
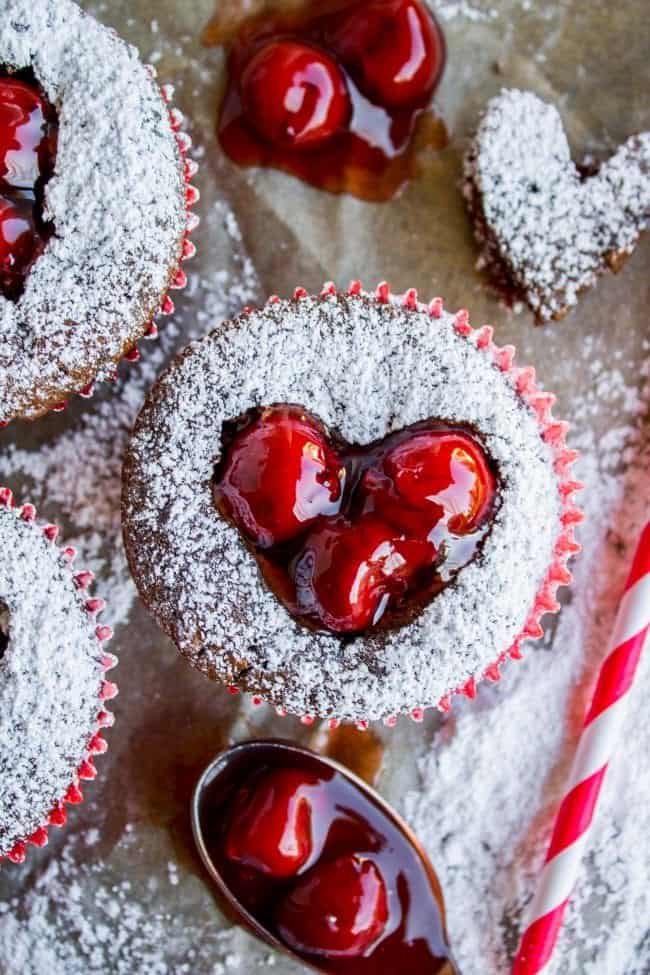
x=601 y=727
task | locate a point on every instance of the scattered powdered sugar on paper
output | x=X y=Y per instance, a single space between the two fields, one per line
x=502 y=769
x=463 y=8
x=478 y=11
x=84 y=917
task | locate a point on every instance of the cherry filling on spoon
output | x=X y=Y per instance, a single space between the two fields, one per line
x=339 y=910
x=349 y=537
x=333 y=93
x=28 y=133
x=322 y=866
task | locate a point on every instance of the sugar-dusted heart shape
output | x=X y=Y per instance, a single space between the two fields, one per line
x=350 y=536
x=547 y=227
x=28 y=129
x=370 y=367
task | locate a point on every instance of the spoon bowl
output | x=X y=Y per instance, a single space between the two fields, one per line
x=417 y=918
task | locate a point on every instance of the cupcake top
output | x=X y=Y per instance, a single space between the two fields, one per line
x=51 y=675
x=116 y=203
x=365 y=367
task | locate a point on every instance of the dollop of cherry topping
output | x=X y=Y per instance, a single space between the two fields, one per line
x=346 y=573
x=378 y=497
x=332 y=92
x=26 y=144
x=392 y=49
x=271 y=825
x=339 y=909
x=20 y=244
x=27 y=155
x=294 y=94
x=350 y=537
x=280 y=475
x=448 y=471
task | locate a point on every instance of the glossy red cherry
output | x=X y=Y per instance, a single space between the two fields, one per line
x=393 y=49
x=271 y=824
x=347 y=573
x=379 y=497
x=19 y=244
x=339 y=909
x=448 y=470
x=25 y=152
x=279 y=475
x=294 y=95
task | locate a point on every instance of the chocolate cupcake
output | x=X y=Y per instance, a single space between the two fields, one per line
x=52 y=679
x=547 y=227
x=349 y=505
x=93 y=204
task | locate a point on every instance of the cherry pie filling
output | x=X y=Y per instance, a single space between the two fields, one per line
x=332 y=94
x=323 y=868
x=28 y=137
x=351 y=538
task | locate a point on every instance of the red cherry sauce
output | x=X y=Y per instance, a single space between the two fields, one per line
x=335 y=93
x=351 y=538
x=28 y=135
x=363 y=900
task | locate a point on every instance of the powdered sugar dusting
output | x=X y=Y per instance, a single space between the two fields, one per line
x=552 y=231
x=117 y=200
x=108 y=906
x=50 y=677
x=88 y=918
x=356 y=364
x=453 y=9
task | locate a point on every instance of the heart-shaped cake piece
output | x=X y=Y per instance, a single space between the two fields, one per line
x=351 y=505
x=548 y=227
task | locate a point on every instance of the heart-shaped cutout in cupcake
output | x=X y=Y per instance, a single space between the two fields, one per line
x=461 y=494
x=28 y=135
x=350 y=537
x=548 y=227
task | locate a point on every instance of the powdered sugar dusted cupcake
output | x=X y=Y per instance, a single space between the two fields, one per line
x=93 y=204
x=52 y=679
x=349 y=505
x=547 y=227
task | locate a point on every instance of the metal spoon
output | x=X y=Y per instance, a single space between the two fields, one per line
x=230 y=767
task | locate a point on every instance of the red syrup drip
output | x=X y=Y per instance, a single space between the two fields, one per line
x=28 y=137
x=359 y=897
x=351 y=538
x=335 y=94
